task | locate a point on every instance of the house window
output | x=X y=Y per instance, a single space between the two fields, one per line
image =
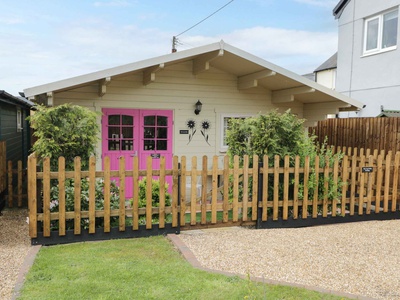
x=381 y=32
x=225 y=126
x=19 y=120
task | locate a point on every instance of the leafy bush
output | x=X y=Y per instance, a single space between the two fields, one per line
x=282 y=134
x=66 y=130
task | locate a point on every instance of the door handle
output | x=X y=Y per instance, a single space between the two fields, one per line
x=134 y=154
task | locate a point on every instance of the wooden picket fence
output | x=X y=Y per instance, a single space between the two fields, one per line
x=12 y=180
x=246 y=191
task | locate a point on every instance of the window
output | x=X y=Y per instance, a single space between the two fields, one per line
x=225 y=125
x=19 y=120
x=381 y=32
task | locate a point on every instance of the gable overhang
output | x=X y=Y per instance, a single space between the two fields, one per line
x=337 y=11
x=251 y=72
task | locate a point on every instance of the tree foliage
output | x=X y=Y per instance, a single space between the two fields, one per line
x=272 y=134
x=66 y=130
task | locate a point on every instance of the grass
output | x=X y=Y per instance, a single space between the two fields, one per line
x=143 y=268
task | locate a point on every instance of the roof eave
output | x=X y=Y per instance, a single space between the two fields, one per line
x=337 y=11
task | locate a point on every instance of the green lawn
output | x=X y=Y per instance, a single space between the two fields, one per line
x=142 y=268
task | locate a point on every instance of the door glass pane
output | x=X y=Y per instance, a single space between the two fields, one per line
x=113 y=119
x=113 y=145
x=150 y=120
x=162 y=145
x=113 y=132
x=149 y=132
x=162 y=121
x=372 y=34
x=389 y=34
x=162 y=132
x=127 y=145
x=127 y=132
x=127 y=120
x=149 y=145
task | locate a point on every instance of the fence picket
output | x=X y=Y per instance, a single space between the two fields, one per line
x=32 y=195
x=214 y=190
x=204 y=191
x=370 y=182
x=226 y=190
x=19 y=193
x=395 y=180
x=254 y=198
x=92 y=194
x=46 y=197
x=361 y=187
x=335 y=184
x=305 y=188
x=10 y=185
x=149 y=188
x=77 y=195
x=193 y=185
x=183 y=191
x=235 y=208
x=379 y=183
x=61 y=196
x=135 y=183
x=286 y=188
x=245 y=197
x=161 y=207
x=174 y=202
x=387 y=181
x=265 y=189
x=121 y=219
x=107 y=192
x=296 y=188
x=275 y=209
x=326 y=186
x=315 y=196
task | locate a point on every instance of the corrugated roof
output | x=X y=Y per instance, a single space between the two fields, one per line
x=6 y=97
x=329 y=64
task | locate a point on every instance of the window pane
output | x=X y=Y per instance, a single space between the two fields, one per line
x=162 y=133
x=161 y=145
x=113 y=132
x=127 y=120
x=149 y=145
x=150 y=120
x=113 y=145
x=162 y=121
x=372 y=34
x=389 y=34
x=149 y=132
x=127 y=145
x=127 y=132
x=113 y=120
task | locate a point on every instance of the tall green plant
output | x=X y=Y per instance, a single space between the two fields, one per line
x=66 y=130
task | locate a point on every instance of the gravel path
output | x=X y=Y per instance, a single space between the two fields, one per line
x=14 y=245
x=357 y=258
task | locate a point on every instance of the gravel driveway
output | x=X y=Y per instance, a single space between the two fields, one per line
x=357 y=258
x=14 y=245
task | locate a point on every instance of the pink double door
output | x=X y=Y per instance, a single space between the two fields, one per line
x=136 y=132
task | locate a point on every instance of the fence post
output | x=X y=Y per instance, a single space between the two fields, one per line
x=10 y=185
x=32 y=195
x=259 y=195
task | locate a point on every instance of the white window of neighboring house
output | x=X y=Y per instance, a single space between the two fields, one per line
x=381 y=32
x=19 y=120
x=225 y=125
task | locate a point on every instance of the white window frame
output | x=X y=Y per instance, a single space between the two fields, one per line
x=379 y=47
x=224 y=147
x=19 y=120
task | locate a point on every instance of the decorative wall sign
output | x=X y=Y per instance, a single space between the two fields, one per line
x=205 y=126
x=191 y=124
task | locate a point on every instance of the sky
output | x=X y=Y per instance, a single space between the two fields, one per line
x=43 y=41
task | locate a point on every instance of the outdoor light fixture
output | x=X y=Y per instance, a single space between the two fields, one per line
x=198 y=107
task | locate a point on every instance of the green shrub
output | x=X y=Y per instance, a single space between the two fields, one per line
x=70 y=200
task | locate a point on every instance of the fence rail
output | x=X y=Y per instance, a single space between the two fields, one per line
x=244 y=190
